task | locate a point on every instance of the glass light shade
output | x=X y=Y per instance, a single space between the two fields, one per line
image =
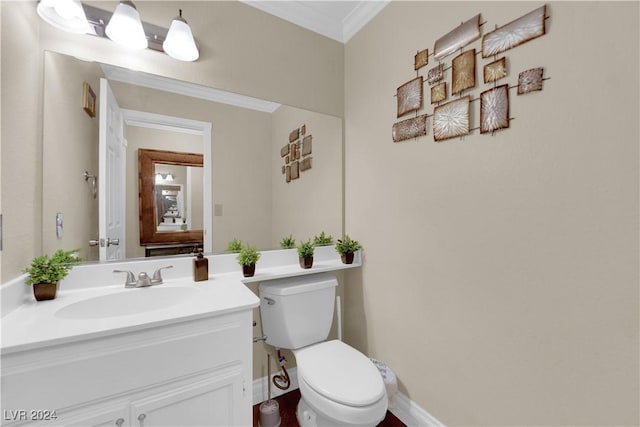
x=179 y=43
x=125 y=27
x=66 y=15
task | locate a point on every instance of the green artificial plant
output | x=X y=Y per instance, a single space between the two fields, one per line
x=45 y=269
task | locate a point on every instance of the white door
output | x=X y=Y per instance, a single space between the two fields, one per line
x=111 y=187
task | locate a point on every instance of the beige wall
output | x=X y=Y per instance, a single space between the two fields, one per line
x=70 y=147
x=500 y=276
x=242 y=50
x=307 y=206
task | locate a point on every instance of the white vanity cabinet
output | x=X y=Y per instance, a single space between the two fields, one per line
x=190 y=373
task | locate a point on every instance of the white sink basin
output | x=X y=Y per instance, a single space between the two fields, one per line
x=126 y=302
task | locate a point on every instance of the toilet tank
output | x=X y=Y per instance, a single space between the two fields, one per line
x=297 y=311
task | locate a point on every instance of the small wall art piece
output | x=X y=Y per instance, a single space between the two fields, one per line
x=284 y=150
x=306 y=145
x=303 y=129
x=530 y=81
x=435 y=74
x=295 y=170
x=88 y=99
x=521 y=30
x=288 y=174
x=439 y=93
x=494 y=109
x=451 y=119
x=295 y=134
x=421 y=59
x=495 y=70
x=283 y=169
x=410 y=96
x=463 y=75
x=305 y=164
x=457 y=38
x=411 y=128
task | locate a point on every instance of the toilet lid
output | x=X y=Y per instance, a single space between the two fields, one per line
x=340 y=373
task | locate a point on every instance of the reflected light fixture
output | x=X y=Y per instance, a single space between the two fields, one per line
x=164 y=177
x=179 y=43
x=125 y=27
x=66 y=15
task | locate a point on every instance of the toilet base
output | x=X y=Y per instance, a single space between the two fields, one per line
x=307 y=417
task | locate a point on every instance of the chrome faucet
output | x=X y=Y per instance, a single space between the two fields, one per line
x=143 y=280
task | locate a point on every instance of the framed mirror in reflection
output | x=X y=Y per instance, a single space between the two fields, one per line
x=244 y=195
x=170 y=198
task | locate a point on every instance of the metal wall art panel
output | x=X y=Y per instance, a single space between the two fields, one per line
x=530 y=81
x=439 y=93
x=295 y=170
x=458 y=38
x=288 y=174
x=411 y=128
x=495 y=70
x=306 y=145
x=494 y=109
x=451 y=119
x=410 y=96
x=294 y=135
x=421 y=59
x=284 y=150
x=435 y=74
x=305 y=164
x=463 y=74
x=521 y=30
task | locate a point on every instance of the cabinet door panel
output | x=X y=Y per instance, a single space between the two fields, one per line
x=107 y=417
x=213 y=401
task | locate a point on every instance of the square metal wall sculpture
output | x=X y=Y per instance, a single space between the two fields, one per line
x=451 y=119
x=411 y=128
x=530 y=81
x=521 y=30
x=494 y=109
x=294 y=135
x=439 y=93
x=421 y=59
x=457 y=38
x=435 y=74
x=463 y=75
x=306 y=145
x=410 y=96
x=495 y=70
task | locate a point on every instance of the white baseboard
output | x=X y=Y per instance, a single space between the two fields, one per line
x=260 y=390
x=410 y=413
x=405 y=409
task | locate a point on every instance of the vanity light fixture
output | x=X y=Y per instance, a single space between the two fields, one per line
x=125 y=27
x=66 y=15
x=164 y=177
x=179 y=43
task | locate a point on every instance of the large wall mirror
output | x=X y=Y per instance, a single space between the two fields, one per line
x=244 y=191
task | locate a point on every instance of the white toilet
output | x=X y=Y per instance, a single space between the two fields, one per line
x=339 y=385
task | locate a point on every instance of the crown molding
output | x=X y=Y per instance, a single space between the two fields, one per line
x=301 y=14
x=194 y=90
x=360 y=16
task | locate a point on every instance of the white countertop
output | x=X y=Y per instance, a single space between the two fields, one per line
x=39 y=324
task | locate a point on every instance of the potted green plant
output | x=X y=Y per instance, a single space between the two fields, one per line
x=346 y=248
x=288 y=242
x=305 y=254
x=45 y=272
x=234 y=246
x=247 y=258
x=322 y=240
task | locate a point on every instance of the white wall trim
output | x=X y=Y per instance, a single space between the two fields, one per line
x=260 y=387
x=360 y=16
x=194 y=90
x=407 y=411
x=410 y=413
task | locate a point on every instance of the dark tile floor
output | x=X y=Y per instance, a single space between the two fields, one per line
x=288 y=403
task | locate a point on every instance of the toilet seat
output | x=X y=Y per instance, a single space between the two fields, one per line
x=342 y=383
x=340 y=373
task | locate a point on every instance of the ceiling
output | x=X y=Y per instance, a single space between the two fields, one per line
x=338 y=20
